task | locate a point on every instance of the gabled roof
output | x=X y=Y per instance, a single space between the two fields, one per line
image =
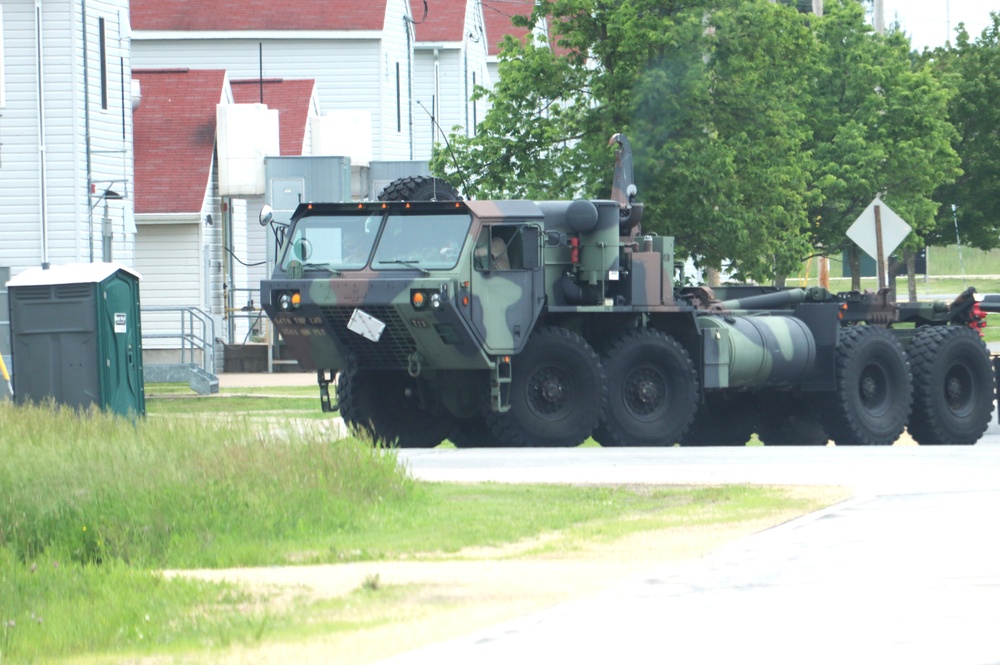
x=291 y=98
x=174 y=138
x=445 y=20
x=237 y=15
x=496 y=16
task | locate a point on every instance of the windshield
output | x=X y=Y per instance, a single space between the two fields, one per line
x=424 y=242
x=333 y=243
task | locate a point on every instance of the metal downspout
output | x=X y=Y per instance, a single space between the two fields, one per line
x=436 y=105
x=409 y=80
x=42 y=177
x=465 y=88
x=86 y=131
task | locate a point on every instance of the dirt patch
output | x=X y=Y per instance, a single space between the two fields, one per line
x=473 y=589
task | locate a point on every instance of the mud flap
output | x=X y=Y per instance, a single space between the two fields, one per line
x=996 y=382
x=325 y=378
x=500 y=386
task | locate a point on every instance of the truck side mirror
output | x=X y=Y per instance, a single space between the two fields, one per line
x=266 y=215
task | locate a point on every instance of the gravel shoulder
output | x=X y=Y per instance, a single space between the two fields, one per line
x=435 y=600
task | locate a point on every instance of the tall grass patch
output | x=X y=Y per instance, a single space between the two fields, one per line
x=93 y=487
x=53 y=609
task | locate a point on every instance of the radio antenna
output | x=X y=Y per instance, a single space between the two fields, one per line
x=454 y=159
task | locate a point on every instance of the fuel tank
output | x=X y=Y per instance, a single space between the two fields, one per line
x=756 y=351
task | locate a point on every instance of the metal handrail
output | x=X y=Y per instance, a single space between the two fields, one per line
x=251 y=312
x=197 y=332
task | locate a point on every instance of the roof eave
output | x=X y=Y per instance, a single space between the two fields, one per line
x=192 y=35
x=168 y=218
x=427 y=46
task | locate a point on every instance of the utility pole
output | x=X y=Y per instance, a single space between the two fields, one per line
x=879 y=18
x=947 y=18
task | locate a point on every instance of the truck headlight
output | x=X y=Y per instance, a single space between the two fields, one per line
x=289 y=300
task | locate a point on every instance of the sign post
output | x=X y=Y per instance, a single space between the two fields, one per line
x=880 y=257
x=878 y=232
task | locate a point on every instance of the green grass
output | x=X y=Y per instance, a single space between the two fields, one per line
x=246 y=404
x=183 y=390
x=92 y=506
x=955 y=260
x=950 y=261
x=169 y=399
x=943 y=288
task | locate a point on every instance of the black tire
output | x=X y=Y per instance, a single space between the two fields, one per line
x=789 y=420
x=558 y=392
x=419 y=188
x=725 y=419
x=652 y=390
x=383 y=406
x=953 y=386
x=871 y=403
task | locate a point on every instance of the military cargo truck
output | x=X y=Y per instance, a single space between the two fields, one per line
x=543 y=323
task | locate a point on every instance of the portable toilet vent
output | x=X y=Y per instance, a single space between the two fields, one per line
x=76 y=337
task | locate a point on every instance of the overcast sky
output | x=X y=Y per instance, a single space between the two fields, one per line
x=927 y=21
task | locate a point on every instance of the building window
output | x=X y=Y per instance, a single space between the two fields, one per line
x=399 y=102
x=104 y=62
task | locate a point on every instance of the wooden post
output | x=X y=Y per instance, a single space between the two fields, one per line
x=880 y=259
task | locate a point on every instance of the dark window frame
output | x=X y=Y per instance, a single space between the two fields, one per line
x=103 y=39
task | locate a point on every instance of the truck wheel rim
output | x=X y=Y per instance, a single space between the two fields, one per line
x=874 y=389
x=549 y=391
x=645 y=391
x=959 y=390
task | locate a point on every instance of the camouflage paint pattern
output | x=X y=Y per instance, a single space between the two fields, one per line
x=756 y=352
x=481 y=313
x=576 y=269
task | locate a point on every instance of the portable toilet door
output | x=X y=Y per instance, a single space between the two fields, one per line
x=119 y=339
x=76 y=337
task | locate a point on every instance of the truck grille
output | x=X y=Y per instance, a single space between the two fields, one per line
x=390 y=352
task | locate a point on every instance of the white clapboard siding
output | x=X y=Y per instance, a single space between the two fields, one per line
x=73 y=217
x=439 y=86
x=444 y=78
x=169 y=258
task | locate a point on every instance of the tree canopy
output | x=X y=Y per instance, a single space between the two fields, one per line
x=972 y=68
x=760 y=132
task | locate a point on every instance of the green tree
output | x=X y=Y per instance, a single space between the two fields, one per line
x=712 y=103
x=973 y=69
x=760 y=132
x=553 y=109
x=880 y=126
x=722 y=140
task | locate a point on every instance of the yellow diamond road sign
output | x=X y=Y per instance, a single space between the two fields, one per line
x=894 y=230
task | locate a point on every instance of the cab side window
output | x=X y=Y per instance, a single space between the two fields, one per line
x=504 y=247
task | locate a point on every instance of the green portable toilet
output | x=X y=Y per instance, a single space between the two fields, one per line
x=76 y=337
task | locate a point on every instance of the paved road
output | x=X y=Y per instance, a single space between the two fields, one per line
x=908 y=572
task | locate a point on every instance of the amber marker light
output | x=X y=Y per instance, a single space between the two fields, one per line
x=465 y=300
x=296 y=299
x=418 y=300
